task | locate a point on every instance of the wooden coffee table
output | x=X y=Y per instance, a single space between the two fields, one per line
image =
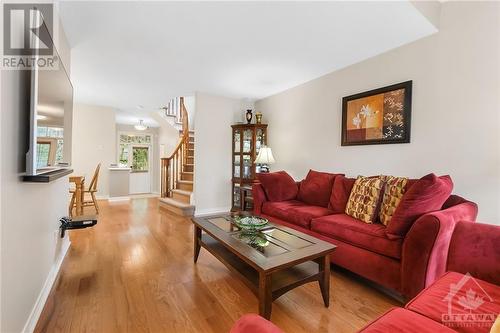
x=270 y=262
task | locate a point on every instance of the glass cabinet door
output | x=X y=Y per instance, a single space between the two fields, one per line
x=247 y=140
x=236 y=166
x=237 y=141
x=236 y=197
x=247 y=167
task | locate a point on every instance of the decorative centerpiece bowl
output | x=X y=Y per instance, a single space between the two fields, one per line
x=250 y=223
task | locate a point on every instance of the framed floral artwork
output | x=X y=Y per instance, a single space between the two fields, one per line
x=377 y=116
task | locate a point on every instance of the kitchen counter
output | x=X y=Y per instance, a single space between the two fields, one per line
x=119 y=179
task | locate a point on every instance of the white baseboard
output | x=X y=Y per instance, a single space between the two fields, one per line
x=47 y=287
x=210 y=211
x=114 y=199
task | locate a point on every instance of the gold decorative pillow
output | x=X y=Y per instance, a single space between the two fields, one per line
x=364 y=199
x=394 y=189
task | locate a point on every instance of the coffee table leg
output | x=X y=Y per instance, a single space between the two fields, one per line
x=324 y=282
x=265 y=295
x=196 y=242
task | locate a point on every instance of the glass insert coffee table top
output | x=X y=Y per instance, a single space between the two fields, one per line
x=260 y=242
x=224 y=223
x=285 y=237
x=269 y=241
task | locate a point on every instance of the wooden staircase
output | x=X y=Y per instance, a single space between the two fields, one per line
x=177 y=171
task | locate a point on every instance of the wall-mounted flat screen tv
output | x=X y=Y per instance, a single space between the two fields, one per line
x=51 y=109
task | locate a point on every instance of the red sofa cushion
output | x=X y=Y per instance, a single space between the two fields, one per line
x=371 y=237
x=316 y=188
x=475 y=249
x=460 y=290
x=341 y=191
x=279 y=186
x=252 y=323
x=294 y=211
x=400 y=320
x=428 y=194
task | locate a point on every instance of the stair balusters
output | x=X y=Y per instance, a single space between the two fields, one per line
x=172 y=166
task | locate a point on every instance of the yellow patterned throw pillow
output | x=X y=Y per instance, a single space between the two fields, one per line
x=364 y=199
x=394 y=189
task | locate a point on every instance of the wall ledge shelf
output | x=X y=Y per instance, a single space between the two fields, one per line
x=47 y=177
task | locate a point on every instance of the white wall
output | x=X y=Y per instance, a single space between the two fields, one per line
x=190 y=104
x=455 y=114
x=30 y=249
x=214 y=117
x=94 y=142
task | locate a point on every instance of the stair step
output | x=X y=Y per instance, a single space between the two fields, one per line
x=186 y=185
x=188 y=167
x=176 y=207
x=182 y=192
x=186 y=175
x=181 y=195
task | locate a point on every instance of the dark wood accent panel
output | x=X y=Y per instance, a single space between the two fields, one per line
x=47 y=177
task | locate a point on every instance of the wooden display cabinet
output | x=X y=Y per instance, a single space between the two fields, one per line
x=247 y=140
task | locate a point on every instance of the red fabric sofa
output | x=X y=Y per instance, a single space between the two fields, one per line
x=406 y=263
x=473 y=263
x=466 y=299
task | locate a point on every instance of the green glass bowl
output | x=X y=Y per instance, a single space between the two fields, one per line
x=250 y=222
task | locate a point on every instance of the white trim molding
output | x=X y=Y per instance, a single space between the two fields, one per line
x=210 y=211
x=47 y=287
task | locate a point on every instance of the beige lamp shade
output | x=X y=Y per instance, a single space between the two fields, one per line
x=265 y=156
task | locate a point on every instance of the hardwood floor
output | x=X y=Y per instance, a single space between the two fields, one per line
x=134 y=272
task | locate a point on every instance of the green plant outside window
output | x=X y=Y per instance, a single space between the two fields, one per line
x=140 y=159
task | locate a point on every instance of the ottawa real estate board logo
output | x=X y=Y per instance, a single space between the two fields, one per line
x=28 y=36
x=468 y=305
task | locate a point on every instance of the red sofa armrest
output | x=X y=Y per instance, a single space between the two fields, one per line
x=252 y=323
x=425 y=247
x=259 y=197
x=475 y=249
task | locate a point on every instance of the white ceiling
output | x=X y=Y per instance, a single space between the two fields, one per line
x=126 y=54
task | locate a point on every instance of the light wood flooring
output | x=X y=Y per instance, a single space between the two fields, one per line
x=134 y=272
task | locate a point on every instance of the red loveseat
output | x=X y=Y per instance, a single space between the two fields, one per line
x=405 y=263
x=466 y=299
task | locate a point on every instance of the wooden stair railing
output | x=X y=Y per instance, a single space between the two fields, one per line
x=172 y=166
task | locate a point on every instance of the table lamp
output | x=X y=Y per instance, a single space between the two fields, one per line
x=265 y=158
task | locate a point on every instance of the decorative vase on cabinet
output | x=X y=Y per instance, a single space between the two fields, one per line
x=247 y=140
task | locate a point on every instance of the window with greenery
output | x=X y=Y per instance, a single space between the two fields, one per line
x=140 y=159
x=133 y=151
x=123 y=157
